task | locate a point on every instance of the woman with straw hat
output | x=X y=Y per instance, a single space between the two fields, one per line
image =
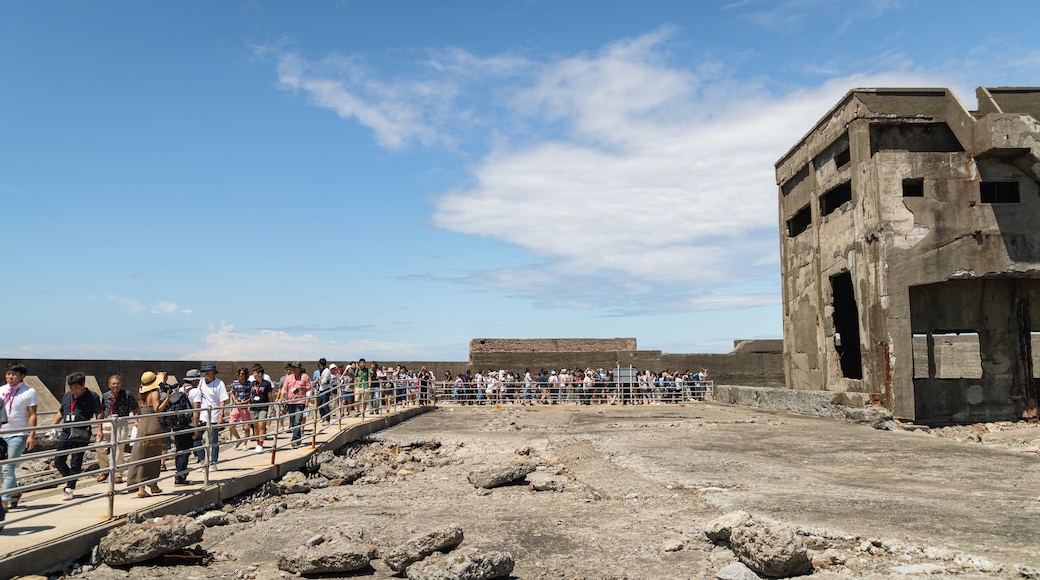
x=147 y=424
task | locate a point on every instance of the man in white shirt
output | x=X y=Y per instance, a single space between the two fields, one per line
x=20 y=402
x=209 y=397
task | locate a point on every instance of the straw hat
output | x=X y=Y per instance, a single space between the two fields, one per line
x=149 y=381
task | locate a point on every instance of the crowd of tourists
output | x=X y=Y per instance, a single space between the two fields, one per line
x=586 y=387
x=183 y=420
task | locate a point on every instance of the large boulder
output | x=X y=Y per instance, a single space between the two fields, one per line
x=463 y=564
x=442 y=540
x=339 y=469
x=332 y=552
x=135 y=543
x=516 y=470
x=770 y=549
x=720 y=528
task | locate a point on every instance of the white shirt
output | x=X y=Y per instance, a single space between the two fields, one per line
x=209 y=396
x=17 y=400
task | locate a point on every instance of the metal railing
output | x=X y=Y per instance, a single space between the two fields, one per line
x=321 y=409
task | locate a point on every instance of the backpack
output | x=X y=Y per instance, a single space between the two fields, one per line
x=180 y=402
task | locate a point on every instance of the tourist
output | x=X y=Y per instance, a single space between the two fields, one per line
x=376 y=379
x=240 y=392
x=148 y=424
x=78 y=404
x=294 y=396
x=209 y=397
x=3 y=454
x=527 y=387
x=118 y=403
x=260 y=397
x=20 y=404
x=183 y=439
x=325 y=388
x=362 y=386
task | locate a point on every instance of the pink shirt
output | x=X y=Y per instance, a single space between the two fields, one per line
x=294 y=390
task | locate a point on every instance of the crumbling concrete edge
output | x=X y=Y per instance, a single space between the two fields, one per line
x=827 y=404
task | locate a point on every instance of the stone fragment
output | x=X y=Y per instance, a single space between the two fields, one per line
x=339 y=468
x=134 y=543
x=332 y=552
x=720 y=528
x=442 y=540
x=213 y=518
x=463 y=564
x=501 y=475
x=294 y=482
x=673 y=545
x=736 y=571
x=770 y=549
x=543 y=481
x=876 y=417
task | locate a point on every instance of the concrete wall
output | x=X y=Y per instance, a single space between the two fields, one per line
x=887 y=242
x=481 y=345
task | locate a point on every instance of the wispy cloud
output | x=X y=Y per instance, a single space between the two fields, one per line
x=636 y=186
x=164 y=307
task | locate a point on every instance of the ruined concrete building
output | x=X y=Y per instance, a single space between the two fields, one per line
x=910 y=251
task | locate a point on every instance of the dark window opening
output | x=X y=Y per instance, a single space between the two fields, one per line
x=999 y=191
x=795 y=180
x=914 y=137
x=799 y=222
x=842 y=158
x=846 y=326
x=913 y=188
x=835 y=198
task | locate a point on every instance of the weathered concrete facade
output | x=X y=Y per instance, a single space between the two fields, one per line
x=908 y=223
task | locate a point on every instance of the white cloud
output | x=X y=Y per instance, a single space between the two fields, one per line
x=164 y=307
x=227 y=344
x=644 y=184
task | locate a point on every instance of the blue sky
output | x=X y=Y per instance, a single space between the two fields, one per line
x=389 y=179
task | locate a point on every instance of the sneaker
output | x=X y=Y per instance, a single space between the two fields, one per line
x=180 y=481
x=258 y=449
x=68 y=495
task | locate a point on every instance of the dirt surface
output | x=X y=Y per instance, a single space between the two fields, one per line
x=630 y=490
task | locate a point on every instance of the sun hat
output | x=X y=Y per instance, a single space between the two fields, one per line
x=209 y=367
x=192 y=375
x=149 y=382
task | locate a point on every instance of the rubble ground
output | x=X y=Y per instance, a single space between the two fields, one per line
x=627 y=492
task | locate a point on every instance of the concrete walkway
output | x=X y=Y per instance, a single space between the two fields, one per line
x=64 y=531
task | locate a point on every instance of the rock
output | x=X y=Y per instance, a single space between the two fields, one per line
x=673 y=545
x=499 y=476
x=442 y=540
x=213 y=518
x=463 y=564
x=338 y=468
x=294 y=482
x=134 y=543
x=876 y=417
x=244 y=517
x=331 y=552
x=736 y=571
x=720 y=528
x=543 y=481
x=770 y=549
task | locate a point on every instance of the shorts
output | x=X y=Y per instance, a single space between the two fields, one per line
x=258 y=414
x=239 y=415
